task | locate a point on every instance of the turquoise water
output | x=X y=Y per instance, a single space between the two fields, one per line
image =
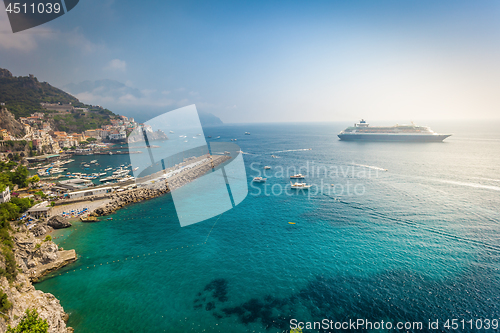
x=419 y=241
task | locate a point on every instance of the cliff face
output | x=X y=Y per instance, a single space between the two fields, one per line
x=9 y=122
x=35 y=262
x=23 y=296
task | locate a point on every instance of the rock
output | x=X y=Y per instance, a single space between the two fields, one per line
x=40 y=229
x=58 y=222
x=35 y=258
x=23 y=296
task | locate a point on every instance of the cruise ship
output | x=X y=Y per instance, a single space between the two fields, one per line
x=362 y=131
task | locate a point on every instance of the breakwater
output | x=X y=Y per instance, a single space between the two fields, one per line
x=160 y=183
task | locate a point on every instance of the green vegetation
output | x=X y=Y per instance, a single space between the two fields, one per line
x=48 y=238
x=10 y=211
x=80 y=122
x=18 y=177
x=34 y=179
x=23 y=203
x=31 y=323
x=6 y=166
x=5 y=305
x=40 y=194
x=22 y=96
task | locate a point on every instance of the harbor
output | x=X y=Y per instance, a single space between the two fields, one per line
x=80 y=196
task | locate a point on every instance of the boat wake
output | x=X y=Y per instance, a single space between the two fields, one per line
x=487 y=187
x=286 y=151
x=370 y=167
x=246 y=153
x=490 y=179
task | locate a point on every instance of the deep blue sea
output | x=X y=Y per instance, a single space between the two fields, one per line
x=410 y=232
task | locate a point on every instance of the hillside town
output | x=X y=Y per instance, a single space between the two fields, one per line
x=45 y=140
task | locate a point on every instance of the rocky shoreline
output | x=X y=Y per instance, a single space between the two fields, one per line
x=126 y=198
x=160 y=187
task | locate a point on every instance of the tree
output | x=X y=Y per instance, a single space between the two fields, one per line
x=20 y=176
x=91 y=139
x=31 y=323
x=34 y=179
x=4 y=302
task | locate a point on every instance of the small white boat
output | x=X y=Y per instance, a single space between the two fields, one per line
x=247 y=133
x=86 y=165
x=171 y=131
x=107 y=179
x=300 y=185
x=126 y=178
x=298 y=176
x=135 y=169
x=93 y=161
x=259 y=179
x=267 y=167
x=107 y=169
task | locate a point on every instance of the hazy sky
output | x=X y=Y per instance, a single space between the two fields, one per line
x=272 y=61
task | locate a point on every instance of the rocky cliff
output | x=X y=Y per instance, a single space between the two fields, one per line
x=35 y=258
x=9 y=122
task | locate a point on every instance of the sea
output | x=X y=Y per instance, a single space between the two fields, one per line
x=392 y=234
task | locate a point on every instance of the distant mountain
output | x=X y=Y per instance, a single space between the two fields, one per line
x=23 y=96
x=208 y=119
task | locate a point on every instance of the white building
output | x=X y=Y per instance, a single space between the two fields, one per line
x=118 y=136
x=40 y=210
x=86 y=193
x=5 y=195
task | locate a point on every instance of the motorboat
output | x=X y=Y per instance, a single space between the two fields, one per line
x=267 y=167
x=259 y=179
x=298 y=176
x=300 y=185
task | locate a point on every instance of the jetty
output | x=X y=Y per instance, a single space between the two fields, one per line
x=146 y=187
